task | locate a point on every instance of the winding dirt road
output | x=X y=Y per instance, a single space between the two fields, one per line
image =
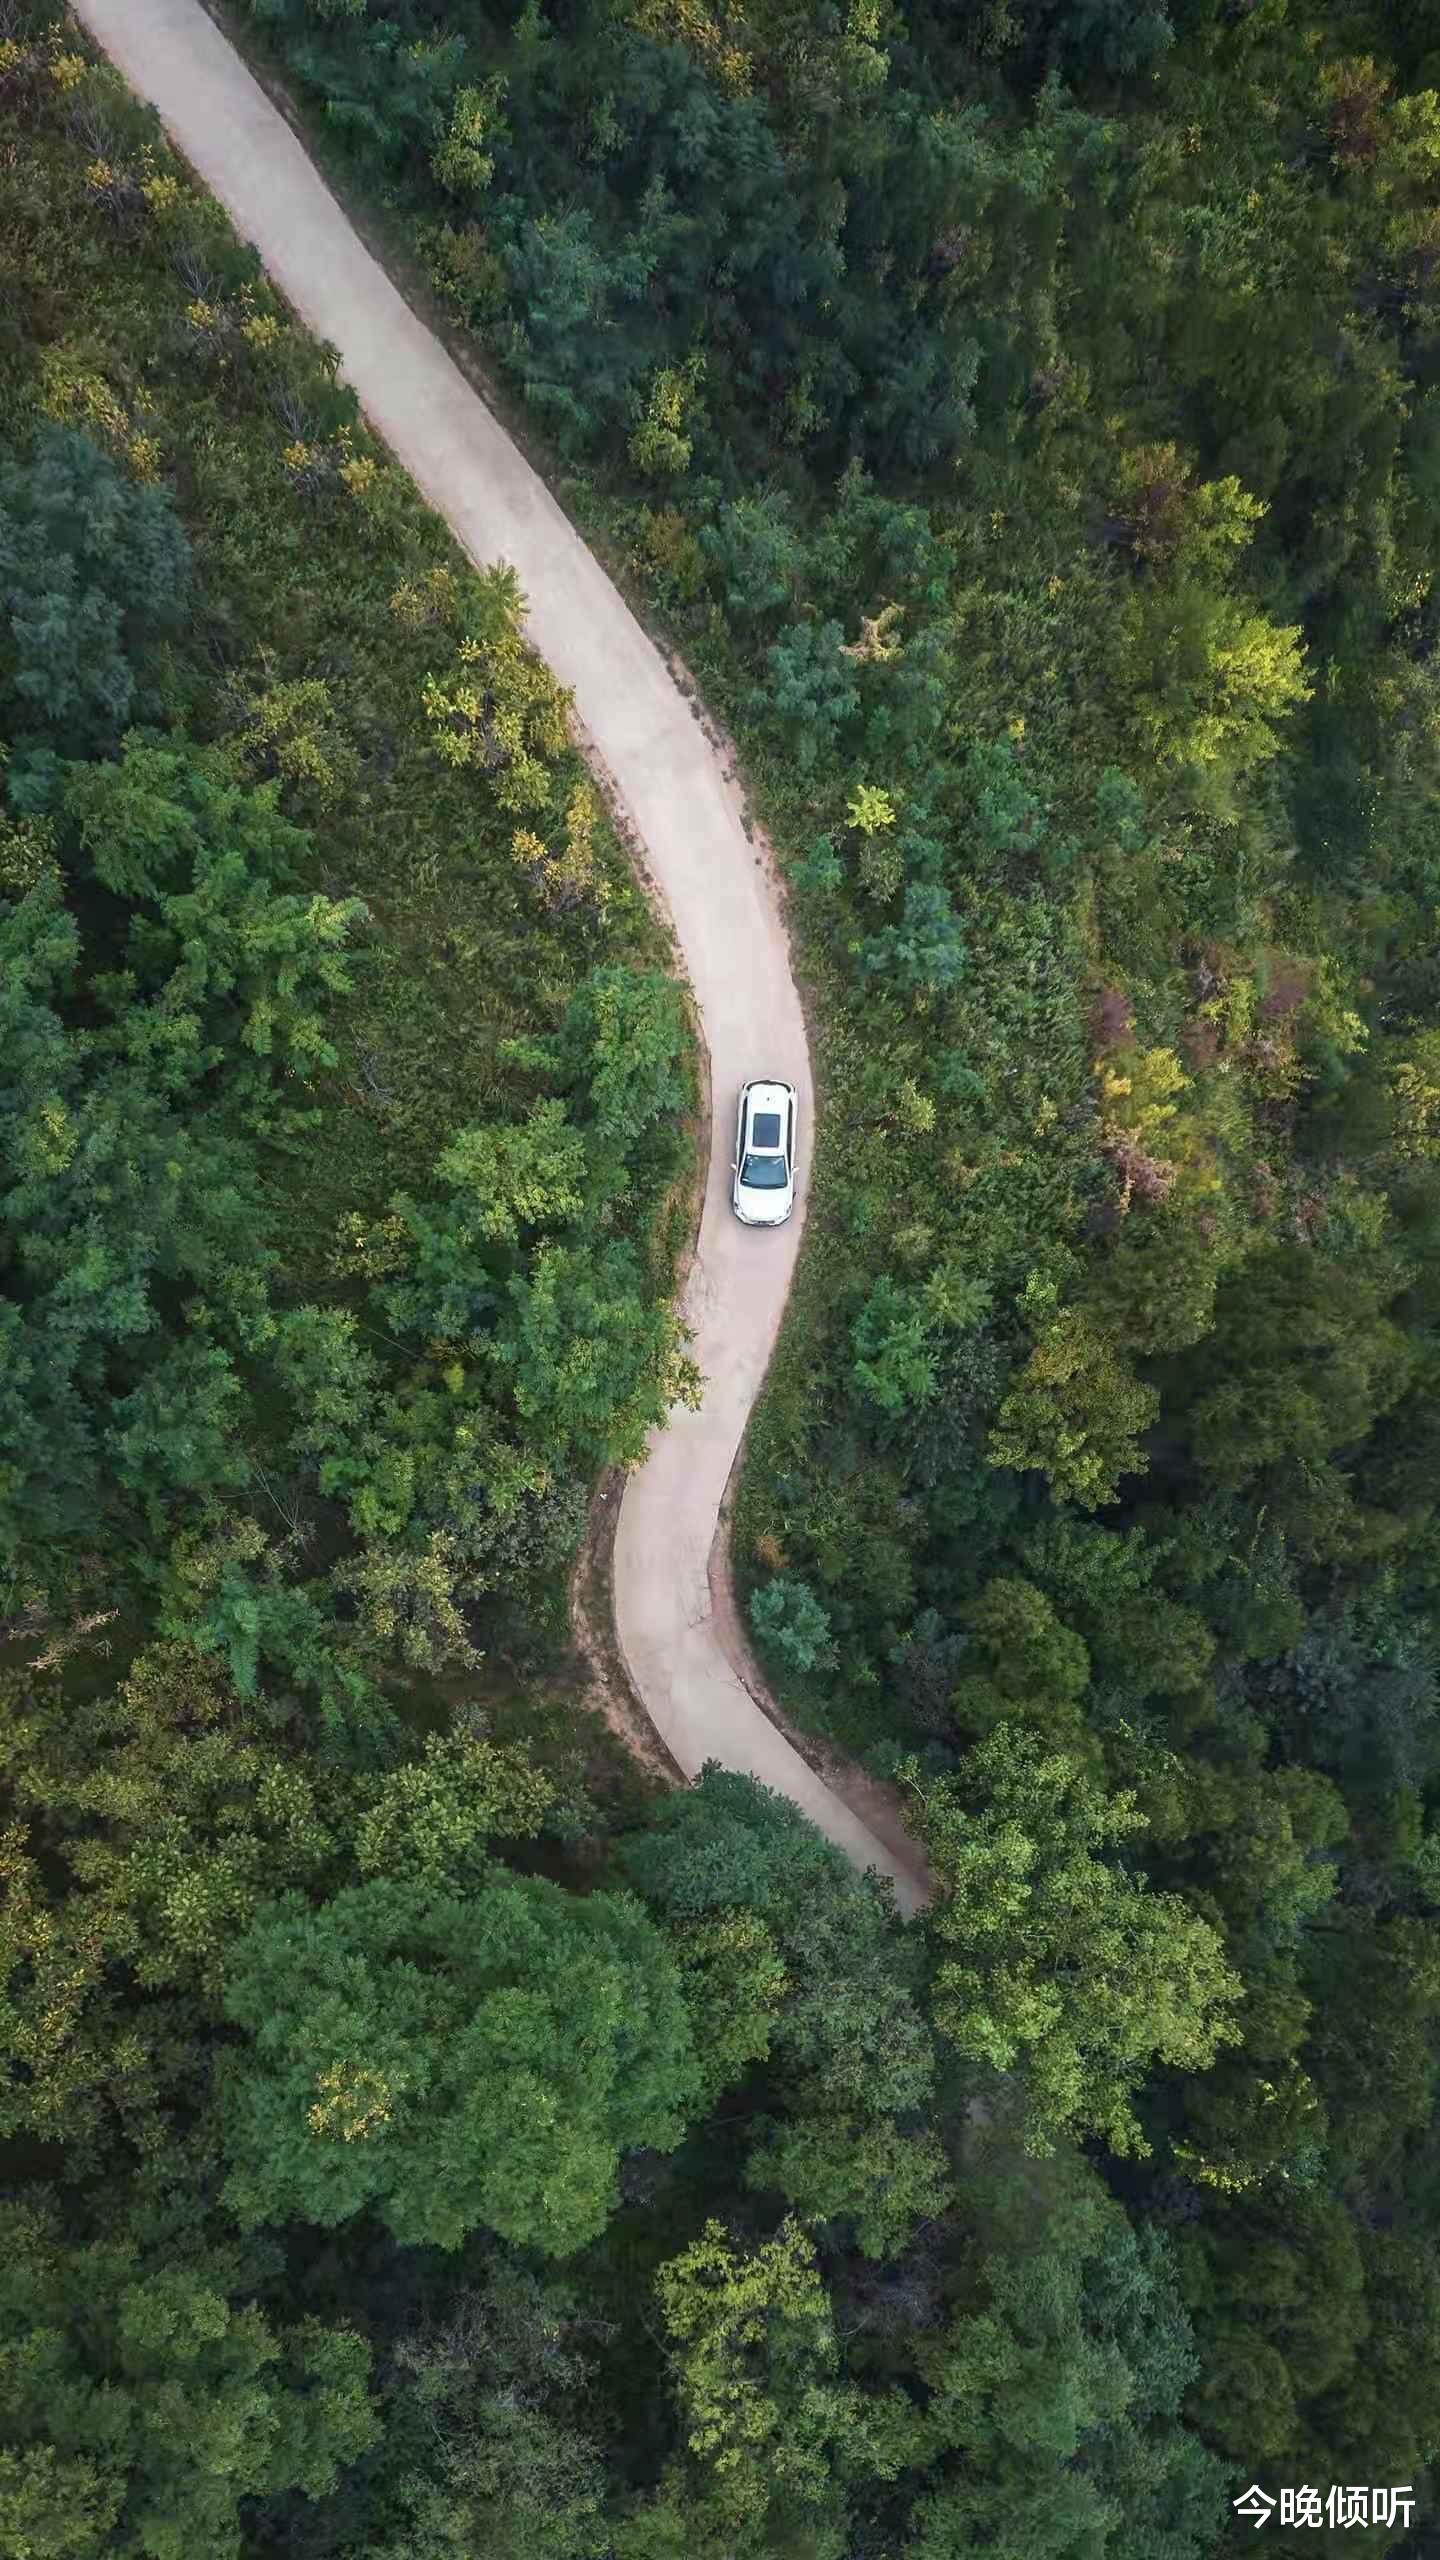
x=684 y=1657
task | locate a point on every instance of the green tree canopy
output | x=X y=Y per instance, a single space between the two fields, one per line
x=93 y=570
x=145 y=2397
x=455 y=2064
x=235 y=962
x=1053 y=1959
x=769 y=2425
x=1057 y=2383
x=1076 y=1413
x=849 y=2024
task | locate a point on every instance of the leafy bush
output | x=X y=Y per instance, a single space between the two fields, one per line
x=93 y=571
x=790 y=1623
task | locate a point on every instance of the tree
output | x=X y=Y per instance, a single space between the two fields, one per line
x=152 y=1819
x=1022 y=1663
x=1372 y=2042
x=620 y=1059
x=792 y=1624
x=1008 y=816
x=111 y=1199
x=895 y=1364
x=93 y=571
x=729 y=1843
x=591 y=1362
x=175 y=1434
x=1168 y=2489
x=241 y=966
x=1257 y=1843
x=1304 y=1356
x=1054 y=2389
x=505 y=1186
x=431 y=1819
x=576 y=358
x=659 y=442
x=854 y=2170
x=465 y=161
x=452 y=2063
x=734 y=1980
x=1168 y=520
x=145 y=2398
x=849 y=2029
x=1155 y=1288
x=768 y=2423
x=820 y=1980
x=177 y=1806
x=1391 y=2387
x=52 y=2509
x=926 y=952
x=1052 y=1959
x=482 y=2433
x=1211 y=681
x=526 y=1174
x=1084 y=35
x=810 y=693
x=756 y=553
x=1277 y=2288
x=1075 y=1413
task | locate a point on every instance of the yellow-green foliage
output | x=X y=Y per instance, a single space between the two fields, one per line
x=434 y=1817
x=1077 y=1412
x=1415 y=1084
x=570 y=870
x=660 y=443
x=293 y=732
x=754 y=2343
x=499 y=709
x=465 y=161
x=871 y=810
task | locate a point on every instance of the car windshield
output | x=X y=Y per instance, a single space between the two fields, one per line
x=764 y=1173
x=765 y=1129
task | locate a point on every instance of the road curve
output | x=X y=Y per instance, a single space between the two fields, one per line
x=671 y=783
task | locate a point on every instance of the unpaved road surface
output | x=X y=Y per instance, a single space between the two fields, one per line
x=671 y=783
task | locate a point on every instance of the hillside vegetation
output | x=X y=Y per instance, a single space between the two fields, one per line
x=422 y=2140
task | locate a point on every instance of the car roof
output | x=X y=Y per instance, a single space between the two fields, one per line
x=764 y=1096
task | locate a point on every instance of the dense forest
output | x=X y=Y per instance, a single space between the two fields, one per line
x=421 y=2135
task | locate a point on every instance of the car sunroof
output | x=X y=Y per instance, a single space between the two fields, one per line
x=765 y=1129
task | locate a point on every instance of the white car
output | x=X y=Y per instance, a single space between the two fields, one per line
x=763 y=1193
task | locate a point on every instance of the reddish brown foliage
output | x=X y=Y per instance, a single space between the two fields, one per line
x=1286 y=992
x=1144 y=1178
x=1112 y=1019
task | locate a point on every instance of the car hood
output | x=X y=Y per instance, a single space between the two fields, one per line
x=763 y=1210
